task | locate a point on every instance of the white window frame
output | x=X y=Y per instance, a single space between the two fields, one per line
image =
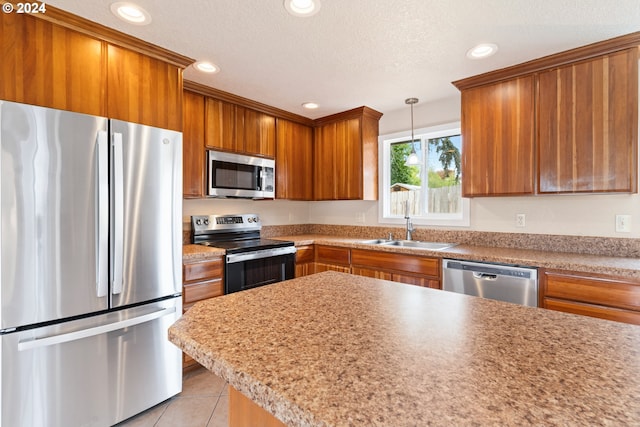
x=461 y=219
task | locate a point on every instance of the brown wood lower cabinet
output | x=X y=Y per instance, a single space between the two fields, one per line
x=305 y=256
x=332 y=258
x=411 y=269
x=201 y=280
x=592 y=295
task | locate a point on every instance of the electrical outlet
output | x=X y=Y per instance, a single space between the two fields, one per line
x=360 y=217
x=520 y=220
x=623 y=223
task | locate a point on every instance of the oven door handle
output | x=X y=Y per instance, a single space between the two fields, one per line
x=262 y=253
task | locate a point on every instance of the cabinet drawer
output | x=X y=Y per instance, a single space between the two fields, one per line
x=609 y=313
x=202 y=270
x=391 y=261
x=601 y=291
x=333 y=255
x=304 y=254
x=202 y=290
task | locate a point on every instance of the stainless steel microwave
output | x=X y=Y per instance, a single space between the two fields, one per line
x=237 y=175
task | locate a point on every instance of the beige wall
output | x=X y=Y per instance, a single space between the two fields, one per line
x=588 y=215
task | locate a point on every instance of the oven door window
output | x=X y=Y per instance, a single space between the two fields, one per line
x=234 y=176
x=259 y=272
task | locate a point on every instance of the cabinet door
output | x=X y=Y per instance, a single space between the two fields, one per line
x=259 y=133
x=371 y=272
x=347 y=178
x=220 y=125
x=324 y=162
x=48 y=65
x=321 y=266
x=604 y=297
x=333 y=255
x=409 y=279
x=498 y=138
x=305 y=256
x=294 y=161
x=144 y=90
x=193 y=151
x=592 y=310
x=588 y=124
x=338 y=161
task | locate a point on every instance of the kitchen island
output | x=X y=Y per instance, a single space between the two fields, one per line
x=333 y=349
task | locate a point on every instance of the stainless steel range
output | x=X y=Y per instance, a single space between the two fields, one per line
x=250 y=260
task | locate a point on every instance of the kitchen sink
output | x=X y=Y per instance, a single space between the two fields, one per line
x=434 y=246
x=376 y=241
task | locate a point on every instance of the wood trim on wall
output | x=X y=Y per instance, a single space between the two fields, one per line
x=201 y=89
x=101 y=32
x=551 y=61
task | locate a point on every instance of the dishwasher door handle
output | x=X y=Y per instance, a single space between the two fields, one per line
x=484 y=276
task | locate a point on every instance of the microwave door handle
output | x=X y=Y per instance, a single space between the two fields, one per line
x=260 y=179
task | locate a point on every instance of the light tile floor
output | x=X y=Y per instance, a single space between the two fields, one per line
x=204 y=402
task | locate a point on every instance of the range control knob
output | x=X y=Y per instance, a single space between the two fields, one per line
x=198 y=221
x=206 y=221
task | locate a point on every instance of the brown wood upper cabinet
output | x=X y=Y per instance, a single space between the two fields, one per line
x=59 y=60
x=573 y=114
x=258 y=132
x=193 y=151
x=220 y=125
x=51 y=66
x=498 y=138
x=294 y=160
x=587 y=125
x=346 y=156
x=238 y=129
x=70 y=66
x=143 y=90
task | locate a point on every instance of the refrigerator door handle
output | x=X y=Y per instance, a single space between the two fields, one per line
x=102 y=213
x=118 y=214
x=85 y=333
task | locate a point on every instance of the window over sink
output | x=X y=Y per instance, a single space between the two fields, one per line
x=432 y=189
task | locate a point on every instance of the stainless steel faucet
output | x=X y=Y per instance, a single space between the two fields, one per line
x=408 y=218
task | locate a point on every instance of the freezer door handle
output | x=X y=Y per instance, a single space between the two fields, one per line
x=102 y=213
x=90 y=332
x=118 y=214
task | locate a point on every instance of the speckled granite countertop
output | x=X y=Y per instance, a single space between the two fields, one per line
x=333 y=349
x=193 y=253
x=617 y=266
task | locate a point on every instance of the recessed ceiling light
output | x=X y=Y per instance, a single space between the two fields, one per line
x=302 y=8
x=130 y=13
x=310 y=105
x=206 y=67
x=483 y=50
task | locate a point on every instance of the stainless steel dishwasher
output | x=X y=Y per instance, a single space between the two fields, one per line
x=508 y=283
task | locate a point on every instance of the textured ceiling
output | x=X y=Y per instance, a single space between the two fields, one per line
x=362 y=52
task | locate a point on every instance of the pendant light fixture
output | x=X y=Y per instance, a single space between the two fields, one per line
x=412 y=159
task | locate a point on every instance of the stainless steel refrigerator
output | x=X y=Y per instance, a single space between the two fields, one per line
x=90 y=267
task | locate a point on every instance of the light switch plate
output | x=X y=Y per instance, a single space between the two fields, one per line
x=623 y=223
